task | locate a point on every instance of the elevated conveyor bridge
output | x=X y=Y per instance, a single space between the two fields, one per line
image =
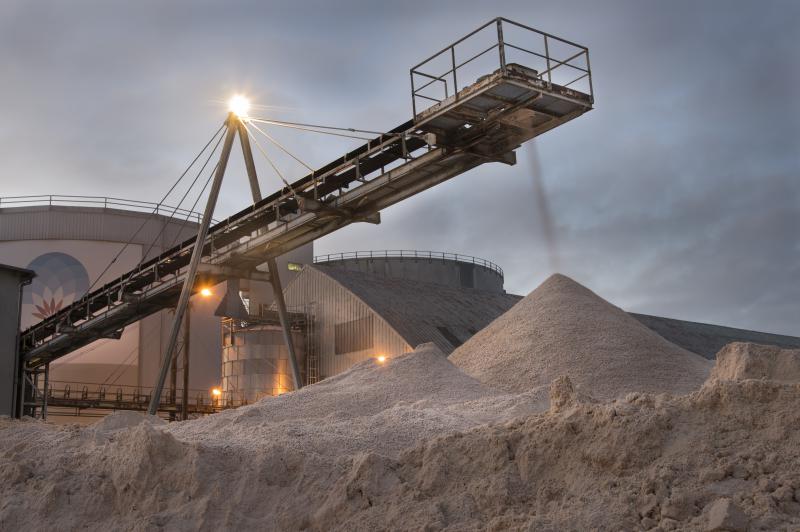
x=465 y=126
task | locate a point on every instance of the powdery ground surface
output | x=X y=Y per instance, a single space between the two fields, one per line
x=563 y=328
x=371 y=407
x=418 y=445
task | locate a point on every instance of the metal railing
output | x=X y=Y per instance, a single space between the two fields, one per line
x=99 y=202
x=555 y=60
x=96 y=395
x=408 y=253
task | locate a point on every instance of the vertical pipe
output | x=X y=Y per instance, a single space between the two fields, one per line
x=197 y=254
x=46 y=384
x=185 y=394
x=173 y=381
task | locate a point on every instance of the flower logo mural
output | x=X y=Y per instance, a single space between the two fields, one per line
x=60 y=280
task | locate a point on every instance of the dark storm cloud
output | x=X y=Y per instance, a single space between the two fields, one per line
x=678 y=195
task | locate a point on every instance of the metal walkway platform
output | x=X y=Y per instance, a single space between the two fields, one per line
x=484 y=121
x=73 y=399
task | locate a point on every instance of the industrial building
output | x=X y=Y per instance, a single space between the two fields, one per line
x=109 y=272
x=354 y=306
x=12 y=281
x=385 y=302
x=73 y=243
x=344 y=308
x=478 y=112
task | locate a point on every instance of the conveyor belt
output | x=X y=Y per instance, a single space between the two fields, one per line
x=484 y=122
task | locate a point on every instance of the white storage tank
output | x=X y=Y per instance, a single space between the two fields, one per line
x=446 y=269
x=255 y=360
x=74 y=243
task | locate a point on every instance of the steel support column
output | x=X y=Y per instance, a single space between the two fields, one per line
x=286 y=325
x=197 y=254
x=46 y=384
x=185 y=393
x=249 y=163
x=274 y=276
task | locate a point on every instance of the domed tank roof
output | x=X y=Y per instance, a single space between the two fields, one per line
x=447 y=269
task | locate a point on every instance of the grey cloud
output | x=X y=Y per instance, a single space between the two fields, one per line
x=677 y=196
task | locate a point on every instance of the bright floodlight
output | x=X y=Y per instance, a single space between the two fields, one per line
x=239 y=105
x=216 y=392
x=205 y=292
x=381 y=359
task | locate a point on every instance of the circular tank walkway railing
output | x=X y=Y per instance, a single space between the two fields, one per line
x=100 y=202
x=408 y=253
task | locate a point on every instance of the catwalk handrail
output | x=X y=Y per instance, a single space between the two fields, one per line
x=410 y=144
x=105 y=202
x=408 y=253
x=501 y=43
x=125 y=393
x=329 y=179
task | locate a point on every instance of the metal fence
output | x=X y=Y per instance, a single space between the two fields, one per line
x=95 y=395
x=408 y=253
x=556 y=61
x=100 y=202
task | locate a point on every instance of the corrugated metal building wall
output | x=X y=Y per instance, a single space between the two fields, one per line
x=347 y=330
x=93 y=236
x=255 y=361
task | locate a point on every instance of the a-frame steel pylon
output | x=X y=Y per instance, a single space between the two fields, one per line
x=234 y=125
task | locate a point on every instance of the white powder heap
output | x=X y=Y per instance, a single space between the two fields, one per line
x=563 y=328
x=724 y=458
x=416 y=444
x=742 y=360
x=372 y=406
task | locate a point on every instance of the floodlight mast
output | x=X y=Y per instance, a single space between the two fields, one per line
x=197 y=254
x=233 y=124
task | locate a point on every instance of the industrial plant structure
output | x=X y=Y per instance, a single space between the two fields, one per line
x=73 y=243
x=110 y=275
x=70 y=242
x=344 y=308
x=350 y=307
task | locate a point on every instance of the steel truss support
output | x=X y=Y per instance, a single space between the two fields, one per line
x=234 y=126
x=197 y=253
x=32 y=401
x=272 y=265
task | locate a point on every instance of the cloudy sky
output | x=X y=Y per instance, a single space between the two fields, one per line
x=679 y=195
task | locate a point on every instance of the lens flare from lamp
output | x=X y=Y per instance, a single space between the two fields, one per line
x=216 y=392
x=381 y=359
x=239 y=105
x=205 y=292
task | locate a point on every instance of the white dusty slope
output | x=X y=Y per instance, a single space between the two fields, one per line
x=742 y=360
x=563 y=328
x=382 y=408
x=418 y=445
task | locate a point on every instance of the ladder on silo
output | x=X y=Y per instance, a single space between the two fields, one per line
x=312 y=355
